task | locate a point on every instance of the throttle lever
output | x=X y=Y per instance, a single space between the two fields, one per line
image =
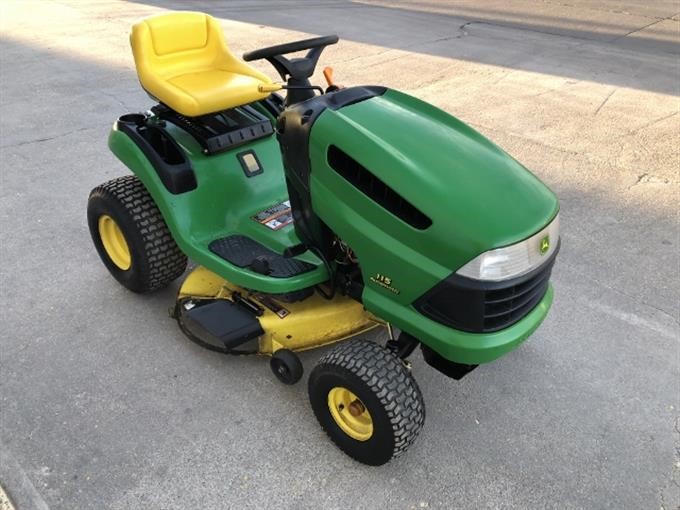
x=328 y=74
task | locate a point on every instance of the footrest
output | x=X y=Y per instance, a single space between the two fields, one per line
x=242 y=251
x=223 y=321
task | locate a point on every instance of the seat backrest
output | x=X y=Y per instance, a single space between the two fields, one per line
x=178 y=42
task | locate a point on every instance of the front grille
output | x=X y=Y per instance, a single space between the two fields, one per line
x=504 y=307
x=479 y=306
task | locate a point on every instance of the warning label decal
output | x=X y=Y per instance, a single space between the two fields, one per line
x=275 y=217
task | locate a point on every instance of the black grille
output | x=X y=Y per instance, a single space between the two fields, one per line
x=374 y=188
x=483 y=307
x=504 y=307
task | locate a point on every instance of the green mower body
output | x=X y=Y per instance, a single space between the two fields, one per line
x=314 y=219
x=223 y=202
x=437 y=195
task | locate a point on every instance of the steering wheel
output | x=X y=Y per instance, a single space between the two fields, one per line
x=299 y=69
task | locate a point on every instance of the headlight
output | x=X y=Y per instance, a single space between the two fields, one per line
x=517 y=259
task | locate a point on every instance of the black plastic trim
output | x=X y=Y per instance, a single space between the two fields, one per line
x=163 y=152
x=293 y=131
x=291 y=47
x=241 y=159
x=294 y=127
x=296 y=71
x=274 y=104
x=375 y=189
x=220 y=131
x=479 y=306
x=449 y=368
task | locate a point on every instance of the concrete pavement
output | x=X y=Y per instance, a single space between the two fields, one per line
x=104 y=404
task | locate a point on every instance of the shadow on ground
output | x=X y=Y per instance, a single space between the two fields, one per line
x=104 y=399
x=539 y=43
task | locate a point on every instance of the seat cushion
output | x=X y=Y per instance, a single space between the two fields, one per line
x=203 y=92
x=170 y=34
x=183 y=61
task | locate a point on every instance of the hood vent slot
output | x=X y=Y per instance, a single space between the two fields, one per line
x=371 y=186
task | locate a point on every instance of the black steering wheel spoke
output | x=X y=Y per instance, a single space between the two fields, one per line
x=296 y=69
x=281 y=64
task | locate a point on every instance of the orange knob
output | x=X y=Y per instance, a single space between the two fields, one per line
x=328 y=74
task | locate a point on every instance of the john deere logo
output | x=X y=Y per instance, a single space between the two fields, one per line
x=545 y=245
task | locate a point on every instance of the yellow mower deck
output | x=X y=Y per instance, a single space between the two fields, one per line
x=298 y=326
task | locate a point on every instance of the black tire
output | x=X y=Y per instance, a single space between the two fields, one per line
x=386 y=390
x=155 y=258
x=286 y=366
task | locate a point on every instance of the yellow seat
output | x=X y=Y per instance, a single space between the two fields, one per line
x=183 y=61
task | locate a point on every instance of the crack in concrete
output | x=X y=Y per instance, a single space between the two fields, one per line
x=633 y=298
x=18 y=484
x=650 y=123
x=609 y=11
x=464 y=33
x=674 y=480
x=639 y=180
x=359 y=57
x=579 y=39
x=404 y=49
x=637 y=299
x=658 y=20
x=482 y=127
x=533 y=30
x=647 y=178
x=606 y=99
x=115 y=98
x=47 y=139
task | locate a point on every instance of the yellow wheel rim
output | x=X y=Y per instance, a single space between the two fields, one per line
x=114 y=242
x=350 y=414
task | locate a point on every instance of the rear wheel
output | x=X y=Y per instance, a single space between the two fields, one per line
x=367 y=401
x=131 y=236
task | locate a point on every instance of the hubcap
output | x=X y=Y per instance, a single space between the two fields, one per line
x=283 y=370
x=114 y=242
x=350 y=414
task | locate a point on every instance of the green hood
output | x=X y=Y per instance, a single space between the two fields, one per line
x=474 y=193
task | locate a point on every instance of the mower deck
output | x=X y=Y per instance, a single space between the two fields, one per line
x=297 y=326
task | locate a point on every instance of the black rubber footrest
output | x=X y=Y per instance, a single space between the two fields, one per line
x=242 y=251
x=224 y=322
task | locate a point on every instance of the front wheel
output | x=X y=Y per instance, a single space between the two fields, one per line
x=286 y=366
x=131 y=236
x=367 y=401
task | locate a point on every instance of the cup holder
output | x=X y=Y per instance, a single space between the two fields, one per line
x=136 y=119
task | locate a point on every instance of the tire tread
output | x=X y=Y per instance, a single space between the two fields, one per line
x=162 y=260
x=391 y=382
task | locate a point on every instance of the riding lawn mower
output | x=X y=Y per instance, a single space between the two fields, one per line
x=318 y=216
